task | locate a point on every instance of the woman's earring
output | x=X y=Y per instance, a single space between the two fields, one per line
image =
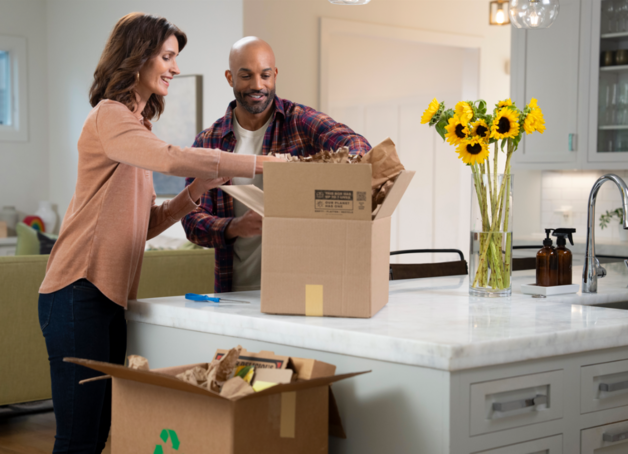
x=137 y=79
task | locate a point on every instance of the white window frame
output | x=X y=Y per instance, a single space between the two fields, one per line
x=17 y=131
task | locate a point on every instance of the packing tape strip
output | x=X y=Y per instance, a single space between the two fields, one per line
x=314 y=300
x=287 y=420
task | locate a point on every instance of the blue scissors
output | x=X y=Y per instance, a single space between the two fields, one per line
x=211 y=299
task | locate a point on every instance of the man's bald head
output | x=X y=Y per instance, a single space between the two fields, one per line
x=252 y=74
x=250 y=48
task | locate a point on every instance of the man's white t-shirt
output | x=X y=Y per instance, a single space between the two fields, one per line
x=247 y=258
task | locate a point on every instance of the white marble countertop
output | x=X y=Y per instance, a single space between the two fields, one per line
x=427 y=322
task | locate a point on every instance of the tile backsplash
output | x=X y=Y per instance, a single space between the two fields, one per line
x=565 y=196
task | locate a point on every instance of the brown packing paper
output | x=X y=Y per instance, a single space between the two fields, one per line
x=261 y=360
x=236 y=387
x=386 y=166
x=384 y=161
x=138 y=362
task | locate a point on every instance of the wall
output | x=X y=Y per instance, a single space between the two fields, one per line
x=292 y=28
x=77 y=31
x=24 y=165
x=568 y=193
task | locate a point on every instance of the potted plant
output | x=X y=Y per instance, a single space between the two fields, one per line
x=607 y=217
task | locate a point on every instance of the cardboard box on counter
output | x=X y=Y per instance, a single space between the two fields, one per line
x=324 y=251
x=153 y=410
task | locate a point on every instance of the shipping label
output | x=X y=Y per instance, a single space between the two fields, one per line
x=333 y=202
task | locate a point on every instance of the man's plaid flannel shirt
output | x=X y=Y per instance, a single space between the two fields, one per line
x=294 y=129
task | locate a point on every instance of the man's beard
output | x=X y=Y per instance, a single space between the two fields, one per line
x=257 y=107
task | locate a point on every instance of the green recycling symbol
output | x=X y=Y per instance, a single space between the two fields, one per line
x=174 y=440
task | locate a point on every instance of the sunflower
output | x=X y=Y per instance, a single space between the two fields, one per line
x=504 y=103
x=431 y=110
x=480 y=128
x=464 y=111
x=456 y=131
x=534 y=121
x=505 y=124
x=473 y=151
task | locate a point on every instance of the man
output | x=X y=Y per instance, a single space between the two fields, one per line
x=257 y=122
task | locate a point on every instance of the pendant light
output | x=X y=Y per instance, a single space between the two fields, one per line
x=533 y=13
x=498 y=12
x=349 y=2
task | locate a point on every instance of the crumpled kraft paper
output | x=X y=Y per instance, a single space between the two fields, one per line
x=236 y=387
x=138 y=362
x=386 y=167
x=384 y=160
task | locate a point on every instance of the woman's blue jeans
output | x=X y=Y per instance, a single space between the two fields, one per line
x=79 y=321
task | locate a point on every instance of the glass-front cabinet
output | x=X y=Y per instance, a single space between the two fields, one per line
x=612 y=105
x=608 y=113
x=578 y=71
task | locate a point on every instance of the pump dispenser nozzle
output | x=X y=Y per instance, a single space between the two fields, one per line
x=562 y=235
x=548 y=241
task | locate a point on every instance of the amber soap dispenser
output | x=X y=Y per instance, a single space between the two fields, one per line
x=547 y=263
x=563 y=255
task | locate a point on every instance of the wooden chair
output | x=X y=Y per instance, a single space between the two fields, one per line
x=419 y=270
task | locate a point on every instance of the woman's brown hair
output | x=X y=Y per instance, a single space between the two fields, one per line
x=134 y=40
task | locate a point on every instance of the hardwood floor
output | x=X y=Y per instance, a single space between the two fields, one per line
x=30 y=434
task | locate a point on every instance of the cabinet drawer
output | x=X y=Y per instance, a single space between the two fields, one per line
x=603 y=386
x=516 y=401
x=607 y=439
x=549 y=445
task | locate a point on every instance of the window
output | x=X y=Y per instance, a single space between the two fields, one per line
x=13 y=89
x=5 y=88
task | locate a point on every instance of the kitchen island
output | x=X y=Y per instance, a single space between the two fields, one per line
x=449 y=370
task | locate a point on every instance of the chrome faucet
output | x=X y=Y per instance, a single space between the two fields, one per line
x=592 y=269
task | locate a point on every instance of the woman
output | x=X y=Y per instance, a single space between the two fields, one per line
x=95 y=265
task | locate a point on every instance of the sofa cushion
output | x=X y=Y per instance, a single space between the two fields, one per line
x=28 y=242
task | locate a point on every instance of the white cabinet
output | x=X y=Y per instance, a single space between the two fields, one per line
x=585 y=104
x=549 y=445
x=545 y=66
x=606 y=439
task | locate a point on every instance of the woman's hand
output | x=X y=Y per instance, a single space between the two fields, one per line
x=199 y=187
x=259 y=164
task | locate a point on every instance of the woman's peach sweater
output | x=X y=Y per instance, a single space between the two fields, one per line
x=113 y=211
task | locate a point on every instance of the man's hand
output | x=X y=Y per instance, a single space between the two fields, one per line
x=199 y=187
x=246 y=226
x=259 y=164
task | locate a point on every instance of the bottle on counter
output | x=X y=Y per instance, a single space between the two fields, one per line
x=546 y=263
x=563 y=255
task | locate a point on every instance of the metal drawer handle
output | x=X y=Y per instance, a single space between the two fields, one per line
x=613 y=386
x=518 y=404
x=615 y=437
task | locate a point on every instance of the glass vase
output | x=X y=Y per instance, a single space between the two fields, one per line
x=490 y=257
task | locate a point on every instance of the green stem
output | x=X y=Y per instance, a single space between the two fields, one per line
x=494 y=225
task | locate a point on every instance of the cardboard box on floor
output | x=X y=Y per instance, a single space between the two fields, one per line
x=153 y=410
x=324 y=252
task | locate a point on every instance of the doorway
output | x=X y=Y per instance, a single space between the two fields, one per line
x=379 y=80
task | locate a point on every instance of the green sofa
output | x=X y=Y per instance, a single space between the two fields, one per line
x=24 y=371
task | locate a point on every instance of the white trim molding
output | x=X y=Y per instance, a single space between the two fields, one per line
x=17 y=131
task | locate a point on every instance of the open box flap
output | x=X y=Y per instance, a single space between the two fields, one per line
x=151 y=377
x=396 y=193
x=249 y=195
x=304 y=384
